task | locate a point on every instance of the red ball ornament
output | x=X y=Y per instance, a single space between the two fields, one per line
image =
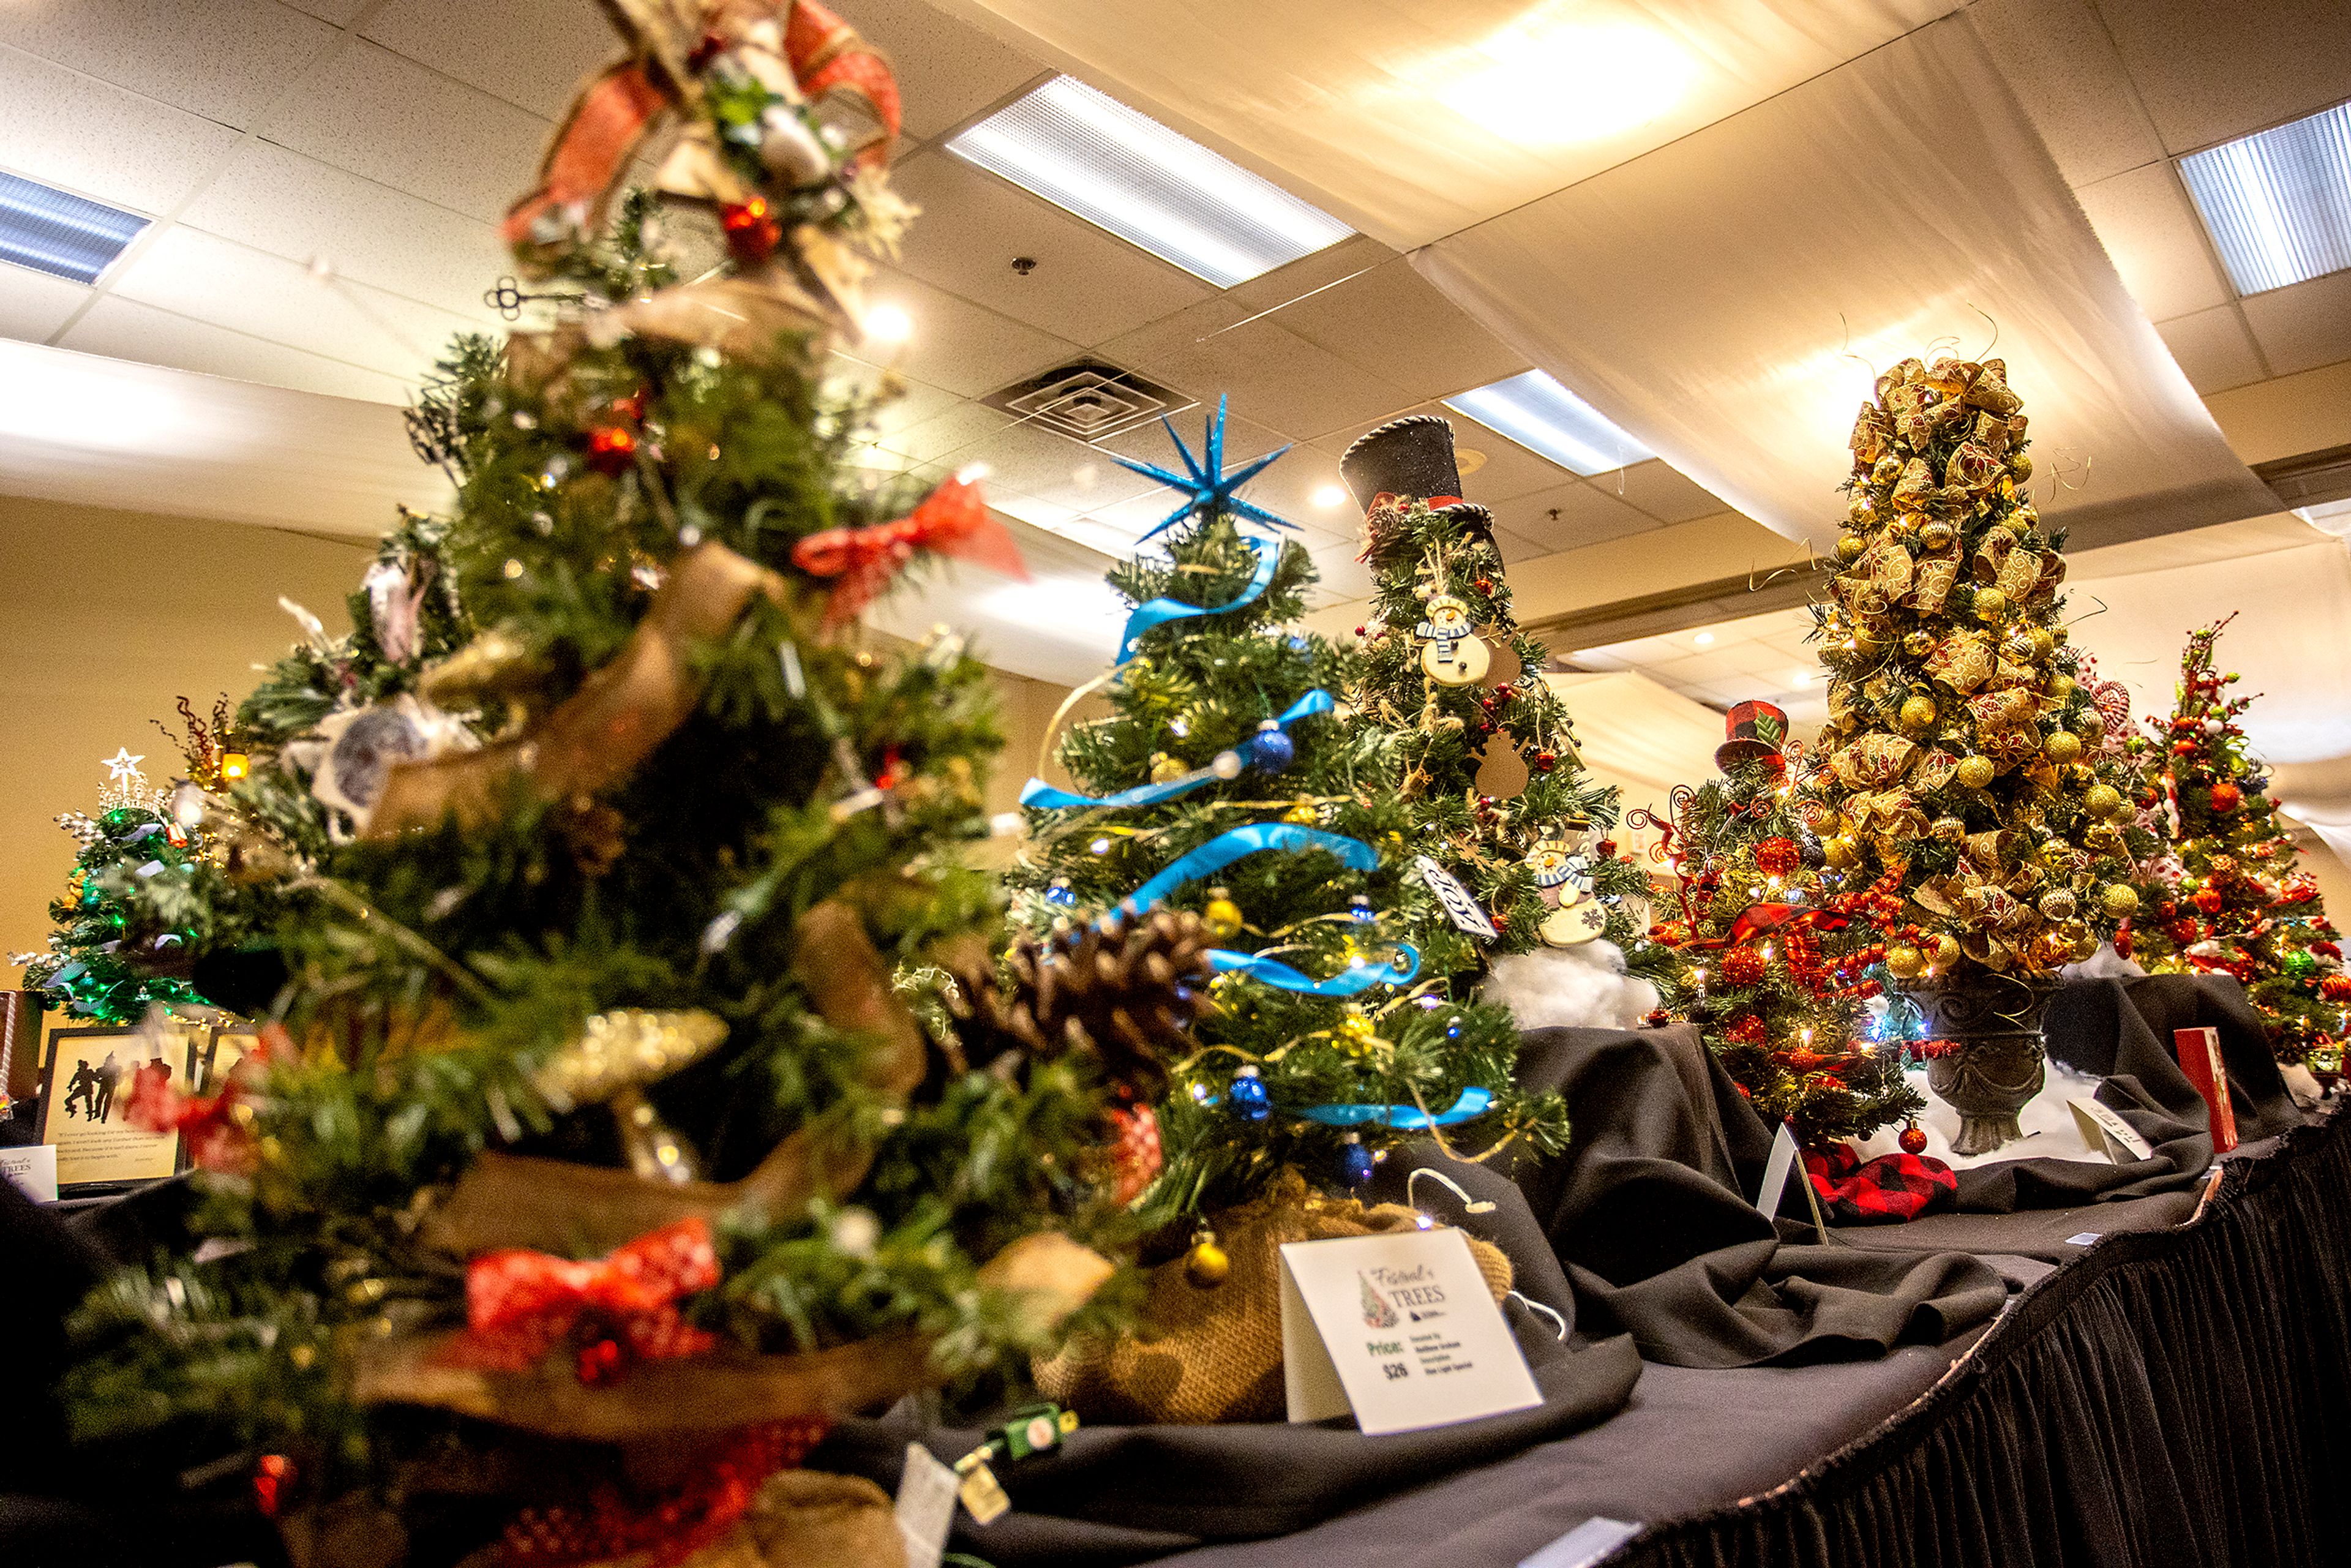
x=1606 y=848
x=2181 y=932
x=752 y=231
x=1484 y=585
x=1913 y=1141
x=611 y=448
x=2209 y=900
x=1778 y=856
x=2227 y=796
x=1746 y=1030
x=1743 y=966
x=1545 y=760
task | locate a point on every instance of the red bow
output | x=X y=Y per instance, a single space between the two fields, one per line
x=518 y=1303
x=217 y=1127
x=1757 y=918
x=953 y=521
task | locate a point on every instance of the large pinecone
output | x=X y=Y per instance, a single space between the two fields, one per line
x=1124 y=991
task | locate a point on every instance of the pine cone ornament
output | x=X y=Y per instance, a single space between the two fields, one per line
x=1125 y=990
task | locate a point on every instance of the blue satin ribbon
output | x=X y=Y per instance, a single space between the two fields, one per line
x=1038 y=795
x=1358 y=977
x=1237 y=844
x=1473 y=1104
x=1160 y=611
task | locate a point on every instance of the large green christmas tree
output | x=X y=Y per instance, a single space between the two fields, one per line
x=1226 y=781
x=1962 y=758
x=590 y=1124
x=2226 y=895
x=1494 y=783
x=1773 y=957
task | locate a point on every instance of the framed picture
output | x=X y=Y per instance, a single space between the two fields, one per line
x=86 y=1091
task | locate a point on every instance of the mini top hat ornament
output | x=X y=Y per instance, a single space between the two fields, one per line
x=1757 y=730
x=1411 y=459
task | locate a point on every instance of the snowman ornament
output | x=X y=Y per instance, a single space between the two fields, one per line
x=1565 y=879
x=1452 y=655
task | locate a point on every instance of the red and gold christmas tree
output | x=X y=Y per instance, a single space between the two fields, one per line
x=2227 y=895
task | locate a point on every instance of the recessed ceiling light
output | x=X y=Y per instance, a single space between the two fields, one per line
x=63 y=236
x=887 y=324
x=1803 y=677
x=1093 y=156
x=1704 y=639
x=1330 y=496
x=2278 y=202
x=1539 y=414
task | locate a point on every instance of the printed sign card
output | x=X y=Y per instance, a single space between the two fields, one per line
x=1399 y=1329
x=34 y=1168
x=85 y=1096
x=2102 y=1128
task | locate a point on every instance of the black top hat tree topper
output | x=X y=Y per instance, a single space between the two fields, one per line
x=1411 y=459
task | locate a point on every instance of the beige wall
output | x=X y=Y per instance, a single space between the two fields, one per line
x=106 y=619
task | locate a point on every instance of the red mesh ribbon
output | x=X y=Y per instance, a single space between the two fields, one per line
x=672 y=1527
x=953 y=521
x=518 y=1303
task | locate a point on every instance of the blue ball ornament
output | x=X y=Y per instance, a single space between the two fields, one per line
x=1272 y=750
x=1355 y=1161
x=1246 y=1096
x=1061 y=891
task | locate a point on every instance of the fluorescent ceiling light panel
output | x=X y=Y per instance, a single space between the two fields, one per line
x=1539 y=414
x=1093 y=156
x=2278 y=202
x=63 y=236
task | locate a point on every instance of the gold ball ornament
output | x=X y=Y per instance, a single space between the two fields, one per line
x=2120 y=901
x=1990 y=604
x=1355 y=1031
x=2062 y=747
x=1937 y=534
x=2057 y=904
x=1974 y=772
x=1919 y=711
x=1905 y=962
x=1165 y=769
x=2020 y=467
x=2060 y=686
x=1222 y=916
x=1206 y=1264
x=1947 y=951
x=1850 y=547
x=2085 y=946
x=2043 y=641
x=1948 y=830
x=1919 y=644
x=1305 y=813
x=2103 y=801
x=1843 y=853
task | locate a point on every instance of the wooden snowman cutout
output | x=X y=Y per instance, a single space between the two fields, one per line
x=1453 y=655
x=1565 y=879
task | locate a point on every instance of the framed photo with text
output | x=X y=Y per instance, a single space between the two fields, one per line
x=86 y=1088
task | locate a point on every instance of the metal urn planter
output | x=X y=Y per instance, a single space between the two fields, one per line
x=1998 y=1062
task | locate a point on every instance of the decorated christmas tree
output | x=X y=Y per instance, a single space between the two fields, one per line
x=2224 y=893
x=1226 y=781
x=1492 y=780
x=132 y=907
x=1773 y=959
x=592 y=1158
x=1962 y=758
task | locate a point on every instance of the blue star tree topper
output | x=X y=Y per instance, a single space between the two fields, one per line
x=1207 y=486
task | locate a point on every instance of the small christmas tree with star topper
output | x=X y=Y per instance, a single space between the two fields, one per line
x=1498 y=798
x=1771 y=959
x=2225 y=893
x=1226 y=780
x=592 y=1120
x=132 y=907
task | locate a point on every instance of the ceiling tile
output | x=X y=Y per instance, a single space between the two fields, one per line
x=1394 y=323
x=915 y=403
x=101 y=142
x=959 y=345
x=947 y=436
x=383 y=116
x=1244 y=438
x=224 y=59
x=2207 y=74
x=1343 y=574
x=1294 y=280
x=947 y=70
x=1663 y=491
x=2149 y=227
x=2070 y=83
x=1277 y=378
x=278 y=201
x=1174 y=334
x=2213 y=348
x=209 y=280
x=2303 y=325
x=1587 y=516
x=1087 y=285
x=127 y=330
x=534 y=53
x=32 y=305
x=1036 y=462
x=339 y=12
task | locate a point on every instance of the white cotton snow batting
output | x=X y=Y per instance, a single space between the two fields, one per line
x=1574 y=987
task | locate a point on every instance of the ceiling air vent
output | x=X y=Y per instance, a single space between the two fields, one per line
x=1088 y=400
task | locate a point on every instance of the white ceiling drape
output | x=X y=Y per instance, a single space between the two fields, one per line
x=1702 y=296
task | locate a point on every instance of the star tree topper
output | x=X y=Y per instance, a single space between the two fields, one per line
x=1208 y=488
x=122 y=768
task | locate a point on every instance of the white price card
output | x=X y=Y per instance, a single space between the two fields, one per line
x=2103 y=1129
x=34 y=1168
x=1399 y=1329
x=926 y=1505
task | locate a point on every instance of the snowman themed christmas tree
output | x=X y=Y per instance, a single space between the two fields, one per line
x=2225 y=892
x=591 y=1160
x=1500 y=802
